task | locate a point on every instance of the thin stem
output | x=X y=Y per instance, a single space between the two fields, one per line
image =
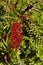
x=27 y=8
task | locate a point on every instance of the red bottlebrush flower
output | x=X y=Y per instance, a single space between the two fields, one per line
x=16 y=35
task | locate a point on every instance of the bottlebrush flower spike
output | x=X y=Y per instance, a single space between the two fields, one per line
x=16 y=35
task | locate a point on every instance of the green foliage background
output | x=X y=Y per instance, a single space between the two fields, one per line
x=31 y=50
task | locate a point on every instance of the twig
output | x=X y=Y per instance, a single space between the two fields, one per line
x=27 y=8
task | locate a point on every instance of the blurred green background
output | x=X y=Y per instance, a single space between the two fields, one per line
x=31 y=49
